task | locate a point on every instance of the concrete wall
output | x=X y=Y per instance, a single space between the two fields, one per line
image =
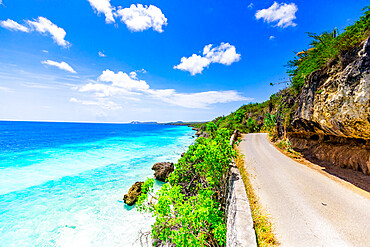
x=240 y=230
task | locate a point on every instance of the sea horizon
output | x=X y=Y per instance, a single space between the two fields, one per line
x=66 y=121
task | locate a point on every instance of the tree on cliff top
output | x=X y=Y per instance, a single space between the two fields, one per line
x=326 y=48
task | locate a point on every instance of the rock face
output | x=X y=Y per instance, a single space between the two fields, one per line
x=162 y=170
x=336 y=101
x=332 y=119
x=134 y=192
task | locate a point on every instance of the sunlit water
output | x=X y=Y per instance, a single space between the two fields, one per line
x=61 y=184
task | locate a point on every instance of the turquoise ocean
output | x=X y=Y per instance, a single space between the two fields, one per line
x=62 y=184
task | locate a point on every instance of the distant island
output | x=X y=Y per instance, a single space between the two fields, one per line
x=137 y=122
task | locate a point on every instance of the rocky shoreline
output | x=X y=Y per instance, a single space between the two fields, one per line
x=161 y=172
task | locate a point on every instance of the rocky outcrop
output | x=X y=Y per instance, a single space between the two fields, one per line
x=162 y=170
x=199 y=132
x=336 y=100
x=134 y=192
x=332 y=118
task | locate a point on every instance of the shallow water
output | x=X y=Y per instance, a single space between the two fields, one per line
x=61 y=184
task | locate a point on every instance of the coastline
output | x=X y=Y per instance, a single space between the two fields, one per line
x=84 y=206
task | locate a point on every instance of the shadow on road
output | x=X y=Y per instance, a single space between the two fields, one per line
x=356 y=178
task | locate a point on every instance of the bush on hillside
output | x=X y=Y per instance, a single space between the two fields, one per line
x=326 y=48
x=190 y=209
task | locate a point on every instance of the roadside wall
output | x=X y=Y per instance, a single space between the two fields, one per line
x=240 y=230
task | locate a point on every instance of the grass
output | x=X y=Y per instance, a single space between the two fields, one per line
x=262 y=222
x=285 y=147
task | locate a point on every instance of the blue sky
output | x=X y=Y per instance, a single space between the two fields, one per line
x=118 y=61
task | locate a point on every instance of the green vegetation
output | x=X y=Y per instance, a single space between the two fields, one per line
x=251 y=125
x=327 y=48
x=269 y=122
x=285 y=146
x=190 y=209
x=247 y=119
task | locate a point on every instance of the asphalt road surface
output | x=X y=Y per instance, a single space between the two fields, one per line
x=307 y=207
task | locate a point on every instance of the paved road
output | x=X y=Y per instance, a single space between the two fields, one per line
x=308 y=208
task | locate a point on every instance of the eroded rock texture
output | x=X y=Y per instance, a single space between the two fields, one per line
x=134 y=192
x=162 y=170
x=333 y=115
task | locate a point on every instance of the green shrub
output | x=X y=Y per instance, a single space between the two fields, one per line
x=269 y=122
x=211 y=127
x=190 y=209
x=239 y=115
x=251 y=125
x=327 y=47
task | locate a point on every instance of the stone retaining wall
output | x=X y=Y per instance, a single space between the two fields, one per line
x=240 y=230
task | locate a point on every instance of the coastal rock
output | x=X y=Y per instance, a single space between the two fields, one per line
x=162 y=170
x=134 y=192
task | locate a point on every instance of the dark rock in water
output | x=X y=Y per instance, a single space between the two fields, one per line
x=162 y=170
x=182 y=155
x=134 y=192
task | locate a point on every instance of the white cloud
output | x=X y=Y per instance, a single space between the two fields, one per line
x=103 y=90
x=45 y=51
x=62 y=65
x=140 y=18
x=13 y=26
x=120 y=84
x=223 y=54
x=133 y=75
x=35 y=85
x=44 y=25
x=101 y=54
x=196 y=100
x=123 y=80
x=103 y=6
x=101 y=102
x=194 y=64
x=141 y=71
x=5 y=89
x=128 y=86
x=272 y=37
x=251 y=5
x=283 y=14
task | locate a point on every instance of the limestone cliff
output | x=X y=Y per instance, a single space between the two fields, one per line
x=331 y=117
